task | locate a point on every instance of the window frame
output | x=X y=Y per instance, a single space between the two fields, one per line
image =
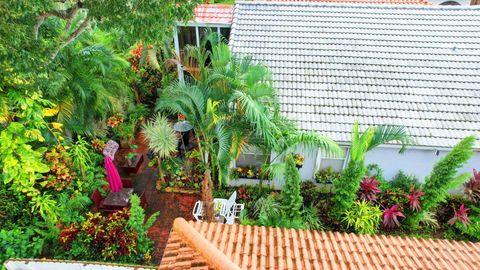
x=319 y=158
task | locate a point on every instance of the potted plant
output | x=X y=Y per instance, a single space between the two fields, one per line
x=132 y=161
x=298 y=158
x=326 y=176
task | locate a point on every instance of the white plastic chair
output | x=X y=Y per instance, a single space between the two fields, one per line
x=229 y=209
x=198 y=208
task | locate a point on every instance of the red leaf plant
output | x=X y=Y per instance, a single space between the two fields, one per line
x=414 y=198
x=472 y=187
x=460 y=215
x=390 y=217
x=369 y=189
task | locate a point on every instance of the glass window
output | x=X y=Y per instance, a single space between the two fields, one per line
x=336 y=163
x=204 y=31
x=186 y=36
x=251 y=157
x=225 y=33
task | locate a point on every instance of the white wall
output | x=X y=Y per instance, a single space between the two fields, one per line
x=32 y=264
x=414 y=161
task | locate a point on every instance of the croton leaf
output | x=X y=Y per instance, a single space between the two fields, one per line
x=390 y=217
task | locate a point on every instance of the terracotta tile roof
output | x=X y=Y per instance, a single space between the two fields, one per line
x=223 y=13
x=213 y=13
x=218 y=246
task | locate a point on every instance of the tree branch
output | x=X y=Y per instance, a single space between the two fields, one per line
x=72 y=36
x=67 y=14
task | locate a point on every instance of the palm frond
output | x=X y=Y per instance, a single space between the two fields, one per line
x=391 y=133
x=312 y=141
x=258 y=116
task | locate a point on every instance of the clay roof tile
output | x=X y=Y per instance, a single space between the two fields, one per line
x=217 y=246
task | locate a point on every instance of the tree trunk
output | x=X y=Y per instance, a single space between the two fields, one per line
x=207 y=197
x=160 y=171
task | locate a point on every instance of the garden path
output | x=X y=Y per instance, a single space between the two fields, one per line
x=170 y=205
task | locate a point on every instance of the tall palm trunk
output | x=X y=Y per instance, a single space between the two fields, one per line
x=207 y=197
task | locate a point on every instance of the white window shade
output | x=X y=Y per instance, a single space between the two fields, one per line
x=251 y=157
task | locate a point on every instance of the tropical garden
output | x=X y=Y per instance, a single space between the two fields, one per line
x=74 y=75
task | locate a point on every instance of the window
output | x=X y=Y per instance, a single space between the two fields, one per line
x=251 y=157
x=225 y=32
x=186 y=36
x=336 y=163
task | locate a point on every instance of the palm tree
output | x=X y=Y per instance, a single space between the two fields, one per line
x=91 y=83
x=352 y=175
x=231 y=103
x=161 y=138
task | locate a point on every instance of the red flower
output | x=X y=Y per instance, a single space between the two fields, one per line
x=181 y=117
x=414 y=199
x=460 y=215
x=369 y=189
x=390 y=217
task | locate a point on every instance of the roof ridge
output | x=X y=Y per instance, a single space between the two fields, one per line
x=214 y=257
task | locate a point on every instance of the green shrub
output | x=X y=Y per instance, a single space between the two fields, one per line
x=292 y=201
x=267 y=206
x=347 y=186
x=363 y=217
x=404 y=181
x=19 y=243
x=472 y=230
x=310 y=218
x=137 y=223
x=443 y=175
x=280 y=222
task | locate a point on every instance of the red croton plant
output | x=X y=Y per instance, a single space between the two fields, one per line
x=390 y=217
x=101 y=237
x=414 y=198
x=369 y=189
x=460 y=215
x=472 y=187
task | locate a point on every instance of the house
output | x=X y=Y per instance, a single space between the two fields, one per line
x=336 y=63
x=200 y=245
x=333 y=64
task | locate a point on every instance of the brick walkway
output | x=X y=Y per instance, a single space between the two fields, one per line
x=170 y=205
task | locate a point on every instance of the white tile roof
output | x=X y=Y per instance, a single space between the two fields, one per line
x=334 y=64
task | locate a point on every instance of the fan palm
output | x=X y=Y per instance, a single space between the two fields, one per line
x=349 y=182
x=161 y=139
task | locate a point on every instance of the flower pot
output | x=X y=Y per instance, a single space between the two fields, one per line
x=132 y=166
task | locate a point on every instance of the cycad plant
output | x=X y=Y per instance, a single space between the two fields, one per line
x=349 y=182
x=161 y=139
